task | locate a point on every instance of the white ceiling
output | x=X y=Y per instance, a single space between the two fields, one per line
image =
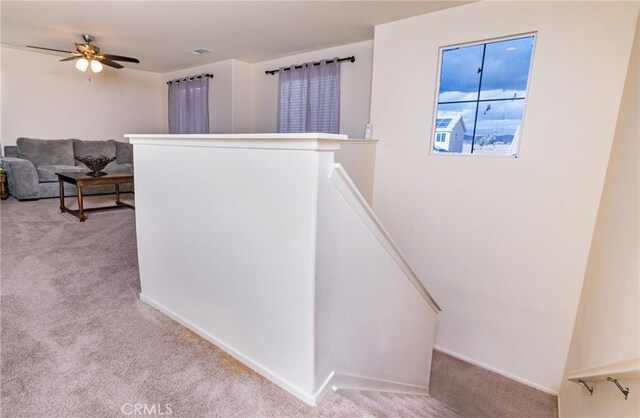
x=161 y=33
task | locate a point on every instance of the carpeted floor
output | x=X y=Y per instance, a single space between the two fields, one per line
x=477 y=392
x=77 y=342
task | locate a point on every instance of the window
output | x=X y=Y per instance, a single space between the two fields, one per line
x=481 y=96
x=309 y=98
x=189 y=105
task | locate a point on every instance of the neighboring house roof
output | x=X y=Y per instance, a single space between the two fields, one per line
x=449 y=122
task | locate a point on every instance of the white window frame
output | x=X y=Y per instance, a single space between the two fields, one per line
x=432 y=151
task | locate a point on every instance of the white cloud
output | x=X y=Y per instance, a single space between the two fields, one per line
x=456 y=96
x=498 y=126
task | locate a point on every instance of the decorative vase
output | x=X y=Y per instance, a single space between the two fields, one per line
x=96 y=164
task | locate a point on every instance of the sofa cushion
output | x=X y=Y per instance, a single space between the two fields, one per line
x=124 y=152
x=95 y=149
x=46 y=151
x=11 y=151
x=119 y=168
x=47 y=173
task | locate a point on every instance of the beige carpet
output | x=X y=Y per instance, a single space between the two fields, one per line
x=480 y=393
x=77 y=342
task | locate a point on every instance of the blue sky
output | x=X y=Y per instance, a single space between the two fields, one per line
x=506 y=70
x=505 y=67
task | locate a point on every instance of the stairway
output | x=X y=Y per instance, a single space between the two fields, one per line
x=383 y=404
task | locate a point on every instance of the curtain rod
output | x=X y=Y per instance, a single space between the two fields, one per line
x=178 y=80
x=351 y=59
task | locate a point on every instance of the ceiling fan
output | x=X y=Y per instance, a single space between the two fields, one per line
x=88 y=55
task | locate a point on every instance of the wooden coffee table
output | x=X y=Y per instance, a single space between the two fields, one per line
x=82 y=179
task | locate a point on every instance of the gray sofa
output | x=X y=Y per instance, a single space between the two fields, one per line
x=32 y=163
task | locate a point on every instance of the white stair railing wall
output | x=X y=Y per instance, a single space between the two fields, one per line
x=265 y=247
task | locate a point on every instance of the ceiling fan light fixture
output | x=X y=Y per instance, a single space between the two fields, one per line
x=89 y=55
x=96 y=66
x=82 y=64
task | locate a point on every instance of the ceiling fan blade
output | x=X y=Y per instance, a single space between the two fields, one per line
x=110 y=63
x=50 y=49
x=70 y=58
x=120 y=58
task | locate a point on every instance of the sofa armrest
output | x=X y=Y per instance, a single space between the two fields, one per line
x=22 y=178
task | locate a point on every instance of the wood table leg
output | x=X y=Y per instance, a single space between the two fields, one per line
x=4 y=195
x=81 y=214
x=118 y=194
x=62 y=207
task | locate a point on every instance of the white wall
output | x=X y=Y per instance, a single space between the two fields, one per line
x=371 y=321
x=355 y=84
x=236 y=263
x=45 y=98
x=607 y=327
x=358 y=157
x=220 y=95
x=241 y=96
x=503 y=243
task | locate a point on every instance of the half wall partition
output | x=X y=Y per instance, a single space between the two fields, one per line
x=263 y=245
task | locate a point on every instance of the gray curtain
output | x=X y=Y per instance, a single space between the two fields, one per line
x=189 y=106
x=309 y=98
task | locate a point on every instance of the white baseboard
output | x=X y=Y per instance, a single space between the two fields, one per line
x=498 y=371
x=348 y=381
x=308 y=398
x=334 y=380
x=324 y=388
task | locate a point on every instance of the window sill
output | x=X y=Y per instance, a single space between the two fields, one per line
x=446 y=154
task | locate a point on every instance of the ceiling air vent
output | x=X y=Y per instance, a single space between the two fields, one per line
x=200 y=51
